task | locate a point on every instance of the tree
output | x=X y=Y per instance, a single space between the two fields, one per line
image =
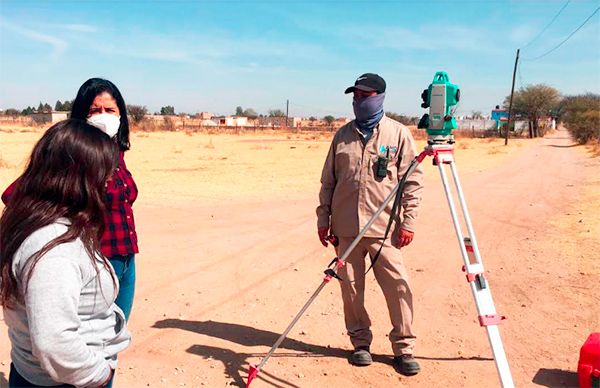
x=329 y=119
x=276 y=113
x=27 y=111
x=406 y=120
x=58 y=106
x=476 y=114
x=239 y=111
x=312 y=118
x=11 y=112
x=40 y=108
x=137 y=113
x=167 y=110
x=47 y=108
x=67 y=106
x=250 y=113
x=534 y=102
x=581 y=115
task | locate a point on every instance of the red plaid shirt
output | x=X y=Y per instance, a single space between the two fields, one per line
x=119 y=236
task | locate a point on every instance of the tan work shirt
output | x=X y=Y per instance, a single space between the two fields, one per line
x=351 y=192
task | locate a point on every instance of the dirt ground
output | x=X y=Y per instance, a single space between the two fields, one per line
x=229 y=255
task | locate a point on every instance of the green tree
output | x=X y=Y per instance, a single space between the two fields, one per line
x=239 y=111
x=67 y=106
x=27 y=111
x=534 y=102
x=167 y=110
x=40 y=108
x=581 y=115
x=137 y=113
x=329 y=119
x=58 y=106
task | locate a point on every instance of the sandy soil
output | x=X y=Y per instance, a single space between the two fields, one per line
x=229 y=254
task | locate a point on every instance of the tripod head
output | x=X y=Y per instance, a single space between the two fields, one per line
x=439 y=97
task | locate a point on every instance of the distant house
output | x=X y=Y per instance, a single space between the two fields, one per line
x=205 y=115
x=208 y=123
x=279 y=122
x=49 y=117
x=232 y=121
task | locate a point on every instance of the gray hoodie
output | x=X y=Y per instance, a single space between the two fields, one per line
x=69 y=330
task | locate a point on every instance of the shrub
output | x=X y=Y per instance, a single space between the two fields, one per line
x=581 y=116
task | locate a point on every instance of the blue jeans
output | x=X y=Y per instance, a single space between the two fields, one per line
x=125 y=270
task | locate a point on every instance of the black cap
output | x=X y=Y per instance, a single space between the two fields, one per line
x=368 y=82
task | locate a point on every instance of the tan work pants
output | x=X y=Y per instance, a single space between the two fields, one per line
x=392 y=277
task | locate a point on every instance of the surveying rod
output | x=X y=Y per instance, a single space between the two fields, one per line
x=440 y=97
x=331 y=273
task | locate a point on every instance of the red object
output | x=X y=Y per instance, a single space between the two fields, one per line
x=471 y=276
x=119 y=236
x=252 y=373
x=588 y=369
x=490 y=319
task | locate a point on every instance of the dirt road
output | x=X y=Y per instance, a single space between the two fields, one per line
x=218 y=283
x=217 y=286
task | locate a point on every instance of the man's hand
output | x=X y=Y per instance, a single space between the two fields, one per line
x=405 y=237
x=323 y=233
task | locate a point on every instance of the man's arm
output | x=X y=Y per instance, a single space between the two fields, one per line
x=413 y=187
x=328 y=181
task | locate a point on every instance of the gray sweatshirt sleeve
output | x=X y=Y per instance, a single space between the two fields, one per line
x=52 y=300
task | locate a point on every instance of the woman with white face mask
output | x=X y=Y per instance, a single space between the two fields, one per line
x=100 y=103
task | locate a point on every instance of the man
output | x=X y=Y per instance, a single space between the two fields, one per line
x=367 y=158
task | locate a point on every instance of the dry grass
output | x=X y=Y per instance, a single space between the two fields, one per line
x=183 y=167
x=594 y=148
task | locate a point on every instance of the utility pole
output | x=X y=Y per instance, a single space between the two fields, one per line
x=512 y=91
x=287 y=111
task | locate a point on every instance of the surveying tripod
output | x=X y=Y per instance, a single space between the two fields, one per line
x=473 y=266
x=443 y=154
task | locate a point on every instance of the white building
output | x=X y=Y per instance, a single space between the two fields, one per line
x=51 y=117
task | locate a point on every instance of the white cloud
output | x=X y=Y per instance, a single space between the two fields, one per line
x=58 y=45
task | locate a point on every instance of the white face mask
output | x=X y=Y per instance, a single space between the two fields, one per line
x=108 y=123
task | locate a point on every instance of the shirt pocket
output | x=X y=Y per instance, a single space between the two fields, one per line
x=347 y=164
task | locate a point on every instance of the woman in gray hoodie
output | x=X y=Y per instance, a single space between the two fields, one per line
x=56 y=289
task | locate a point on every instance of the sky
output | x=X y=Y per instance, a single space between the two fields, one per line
x=216 y=55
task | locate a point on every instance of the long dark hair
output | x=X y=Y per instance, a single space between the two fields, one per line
x=65 y=177
x=85 y=97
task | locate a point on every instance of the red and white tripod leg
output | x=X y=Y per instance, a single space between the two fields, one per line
x=475 y=272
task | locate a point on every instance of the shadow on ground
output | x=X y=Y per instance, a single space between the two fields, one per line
x=236 y=363
x=556 y=378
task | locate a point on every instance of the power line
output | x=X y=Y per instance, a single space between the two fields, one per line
x=548 y=25
x=567 y=38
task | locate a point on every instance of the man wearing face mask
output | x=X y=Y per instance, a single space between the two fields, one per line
x=367 y=158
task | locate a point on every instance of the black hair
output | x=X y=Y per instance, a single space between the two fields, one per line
x=85 y=97
x=65 y=177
